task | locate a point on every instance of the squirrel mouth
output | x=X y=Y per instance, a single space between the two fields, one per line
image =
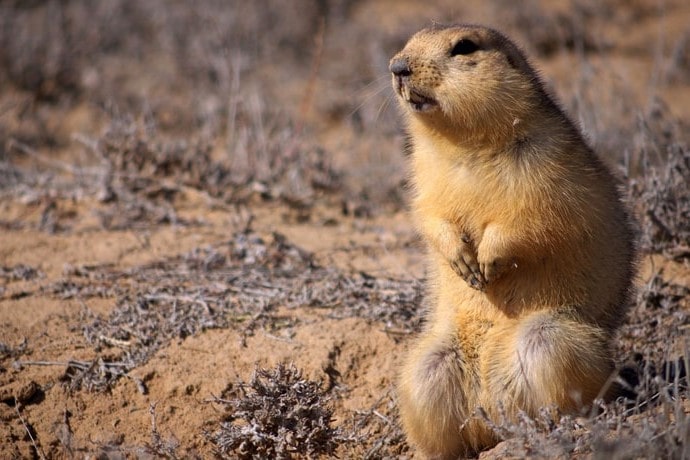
x=418 y=101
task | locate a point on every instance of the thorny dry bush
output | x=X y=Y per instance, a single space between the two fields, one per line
x=278 y=415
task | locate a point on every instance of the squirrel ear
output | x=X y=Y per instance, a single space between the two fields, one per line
x=511 y=61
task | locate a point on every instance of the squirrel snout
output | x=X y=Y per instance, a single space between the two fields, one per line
x=400 y=67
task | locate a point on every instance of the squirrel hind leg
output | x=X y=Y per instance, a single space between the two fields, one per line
x=547 y=359
x=435 y=390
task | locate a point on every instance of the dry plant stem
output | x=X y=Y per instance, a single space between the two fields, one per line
x=67 y=167
x=309 y=91
x=311 y=83
x=15 y=144
x=152 y=412
x=77 y=364
x=38 y=451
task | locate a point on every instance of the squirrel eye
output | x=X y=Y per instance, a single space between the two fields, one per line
x=464 y=46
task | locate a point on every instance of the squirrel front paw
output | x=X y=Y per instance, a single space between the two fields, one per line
x=465 y=264
x=495 y=268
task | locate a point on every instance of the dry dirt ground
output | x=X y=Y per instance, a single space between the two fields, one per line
x=204 y=244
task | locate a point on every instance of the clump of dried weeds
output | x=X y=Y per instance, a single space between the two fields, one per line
x=655 y=426
x=136 y=173
x=19 y=272
x=662 y=197
x=658 y=318
x=278 y=414
x=142 y=163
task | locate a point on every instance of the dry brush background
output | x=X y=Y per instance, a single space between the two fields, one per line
x=204 y=245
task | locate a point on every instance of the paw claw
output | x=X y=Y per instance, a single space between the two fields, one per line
x=476 y=283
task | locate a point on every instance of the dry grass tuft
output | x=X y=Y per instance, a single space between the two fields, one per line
x=19 y=272
x=8 y=351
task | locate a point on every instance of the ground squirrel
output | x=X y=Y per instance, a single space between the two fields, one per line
x=531 y=250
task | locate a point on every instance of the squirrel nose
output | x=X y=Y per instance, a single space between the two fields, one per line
x=400 y=67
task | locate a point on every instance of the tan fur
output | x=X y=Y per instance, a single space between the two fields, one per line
x=531 y=251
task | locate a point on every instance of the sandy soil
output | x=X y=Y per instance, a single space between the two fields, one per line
x=67 y=273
